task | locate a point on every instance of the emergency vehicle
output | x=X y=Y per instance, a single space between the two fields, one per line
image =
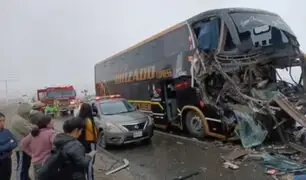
x=62 y=97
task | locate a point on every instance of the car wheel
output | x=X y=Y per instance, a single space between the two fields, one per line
x=102 y=141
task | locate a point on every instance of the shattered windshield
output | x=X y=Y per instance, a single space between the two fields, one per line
x=248 y=20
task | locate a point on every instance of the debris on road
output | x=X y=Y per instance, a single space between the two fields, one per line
x=230 y=165
x=282 y=163
x=187 y=176
x=271 y=171
x=233 y=155
x=126 y=164
x=112 y=168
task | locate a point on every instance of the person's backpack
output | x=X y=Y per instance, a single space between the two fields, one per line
x=53 y=167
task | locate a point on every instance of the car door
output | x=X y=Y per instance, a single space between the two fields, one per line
x=98 y=117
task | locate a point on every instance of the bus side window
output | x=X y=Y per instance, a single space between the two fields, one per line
x=176 y=41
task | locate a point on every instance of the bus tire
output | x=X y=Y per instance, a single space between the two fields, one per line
x=194 y=125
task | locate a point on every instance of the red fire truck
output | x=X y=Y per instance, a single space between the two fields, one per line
x=64 y=97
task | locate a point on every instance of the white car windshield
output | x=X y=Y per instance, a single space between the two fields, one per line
x=115 y=107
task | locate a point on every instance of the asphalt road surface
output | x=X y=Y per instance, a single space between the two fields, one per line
x=171 y=157
x=168 y=157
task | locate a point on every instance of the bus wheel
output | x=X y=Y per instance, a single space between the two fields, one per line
x=194 y=124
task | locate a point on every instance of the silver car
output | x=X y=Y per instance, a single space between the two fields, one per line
x=120 y=123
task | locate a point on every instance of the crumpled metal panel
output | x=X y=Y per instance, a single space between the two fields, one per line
x=289 y=108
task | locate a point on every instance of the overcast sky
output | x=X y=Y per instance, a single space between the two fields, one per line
x=49 y=42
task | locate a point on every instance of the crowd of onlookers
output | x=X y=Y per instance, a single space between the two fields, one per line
x=67 y=155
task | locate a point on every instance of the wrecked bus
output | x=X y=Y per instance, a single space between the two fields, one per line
x=213 y=74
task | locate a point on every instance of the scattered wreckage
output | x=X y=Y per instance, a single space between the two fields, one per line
x=242 y=81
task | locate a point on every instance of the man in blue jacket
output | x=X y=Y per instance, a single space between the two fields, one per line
x=7 y=144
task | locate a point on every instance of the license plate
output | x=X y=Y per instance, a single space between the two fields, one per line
x=137 y=134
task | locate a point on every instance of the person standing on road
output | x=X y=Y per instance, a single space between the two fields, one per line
x=7 y=144
x=77 y=109
x=89 y=136
x=22 y=124
x=78 y=160
x=39 y=106
x=38 y=144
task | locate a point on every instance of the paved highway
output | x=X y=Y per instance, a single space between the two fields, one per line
x=168 y=157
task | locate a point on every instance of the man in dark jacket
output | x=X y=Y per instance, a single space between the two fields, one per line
x=21 y=125
x=7 y=144
x=77 y=159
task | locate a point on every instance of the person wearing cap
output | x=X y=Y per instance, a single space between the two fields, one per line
x=22 y=124
x=39 y=106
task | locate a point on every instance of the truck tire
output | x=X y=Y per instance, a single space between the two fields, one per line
x=194 y=124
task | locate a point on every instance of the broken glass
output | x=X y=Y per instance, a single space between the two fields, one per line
x=250 y=133
x=282 y=163
x=209 y=35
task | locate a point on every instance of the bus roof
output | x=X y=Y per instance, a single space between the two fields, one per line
x=191 y=21
x=144 y=41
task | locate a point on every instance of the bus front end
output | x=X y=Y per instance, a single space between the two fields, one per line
x=239 y=65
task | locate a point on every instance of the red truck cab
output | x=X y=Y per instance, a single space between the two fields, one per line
x=65 y=96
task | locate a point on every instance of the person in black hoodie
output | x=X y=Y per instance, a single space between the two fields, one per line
x=77 y=159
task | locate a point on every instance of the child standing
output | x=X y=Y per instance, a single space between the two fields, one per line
x=7 y=144
x=38 y=144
